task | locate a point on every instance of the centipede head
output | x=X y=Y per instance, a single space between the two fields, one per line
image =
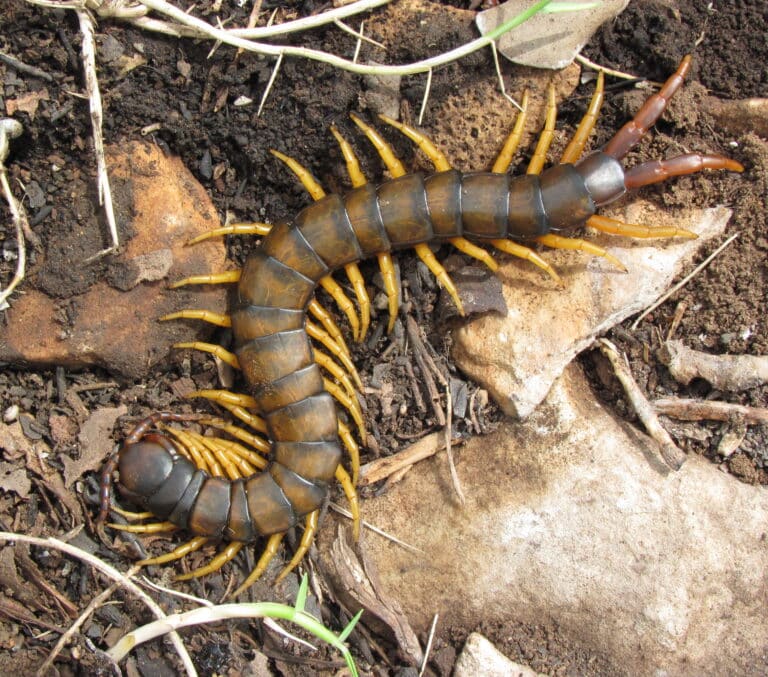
x=144 y=465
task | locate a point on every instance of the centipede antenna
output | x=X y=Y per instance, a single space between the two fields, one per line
x=634 y=130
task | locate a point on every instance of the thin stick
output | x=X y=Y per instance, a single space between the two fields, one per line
x=24 y=68
x=232 y=37
x=685 y=280
x=376 y=530
x=713 y=410
x=428 y=648
x=269 y=84
x=502 y=88
x=94 y=101
x=358 y=34
x=95 y=603
x=448 y=450
x=426 y=96
x=112 y=573
x=584 y=61
x=11 y=129
x=670 y=452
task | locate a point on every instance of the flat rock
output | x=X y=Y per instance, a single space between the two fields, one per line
x=517 y=357
x=113 y=324
x=571 y=519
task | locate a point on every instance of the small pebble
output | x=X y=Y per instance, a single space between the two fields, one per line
x=11 y=413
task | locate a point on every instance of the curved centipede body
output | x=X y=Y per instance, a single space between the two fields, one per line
x=290 y=400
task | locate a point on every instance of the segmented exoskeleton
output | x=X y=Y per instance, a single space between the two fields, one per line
x=222 y=489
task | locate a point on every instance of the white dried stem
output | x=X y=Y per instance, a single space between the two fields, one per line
x=111 y=573
x=670 y=452
x=97 y=116
x=10 y=129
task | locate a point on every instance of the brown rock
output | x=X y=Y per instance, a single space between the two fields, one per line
x=117 y=328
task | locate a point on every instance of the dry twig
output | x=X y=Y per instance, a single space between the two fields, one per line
x=713 y=410
x=112 y=573
x=11 y=129
x=670 y=452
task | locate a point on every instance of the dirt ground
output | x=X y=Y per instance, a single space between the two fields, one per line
x=226 y=147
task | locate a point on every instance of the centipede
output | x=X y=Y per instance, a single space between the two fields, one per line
x=262 y=476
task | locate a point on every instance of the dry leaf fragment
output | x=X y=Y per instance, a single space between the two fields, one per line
x=95 y=443
x=27 y=103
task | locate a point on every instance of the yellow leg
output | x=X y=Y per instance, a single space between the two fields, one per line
x=324 y=317
x=426 y=146
x=226 y=277
x=177 y=553
x=559 y=242
x=232 y=466
x=199 y=455
x=327 y=363
x=342 y=300
x=247 y=461
x=390 y=285
x=319 y=334
x=354 y=451
x=236 y=404
x=513 y=140
x=219 y=319
x=358 y=284
x=222 y=353
x=270 y=550
x=521 y=252
x=311 y=522
x=348 y=403
x=384 y=150
x=151 y=528
x=259 y=229
x=616 y=227
x=464 y=245
x=426 y=255
x=302 y=173
x=546 y=136
x=258 y=443
x=343 y=478
x=226 y=555
x=574 y=149
x=356 y=175
x=131 y=516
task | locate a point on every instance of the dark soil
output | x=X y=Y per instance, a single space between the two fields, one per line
x=226 y=147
